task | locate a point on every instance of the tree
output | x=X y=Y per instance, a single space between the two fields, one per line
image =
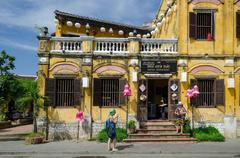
x=6 y=63
x=32 y=97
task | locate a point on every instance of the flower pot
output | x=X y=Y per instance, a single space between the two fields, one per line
x=34 y=140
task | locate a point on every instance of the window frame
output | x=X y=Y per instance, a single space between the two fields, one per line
x=195 y=26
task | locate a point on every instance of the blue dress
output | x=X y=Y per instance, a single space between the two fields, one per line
x=111 y=129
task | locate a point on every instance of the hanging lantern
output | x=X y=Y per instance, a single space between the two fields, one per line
x=69 y=23
x=175 y=7
x=148 y=35
x=77 y=25
x=154 y=26
x=161 y=15
x=131 y=34
x=153 y=33
x=158 y=24
x=120 y=32
x=169 y=11
x=169 y=4
x=87 y=26
x=144 y=36
x=156 y=30
x=163 y=19
x=56 y=21
x=139 y=35
x=102 y=29
x=110 y=30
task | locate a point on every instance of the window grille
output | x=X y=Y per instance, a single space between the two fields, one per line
x=206 y=90
x=64 y=92
x=110 y=92
x=204 y=25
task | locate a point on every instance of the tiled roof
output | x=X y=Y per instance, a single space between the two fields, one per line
x=96 y=20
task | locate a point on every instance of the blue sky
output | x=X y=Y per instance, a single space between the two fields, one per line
x=18 y=19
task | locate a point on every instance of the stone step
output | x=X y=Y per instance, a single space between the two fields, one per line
x=157 y=131
x=162 y=135
x=162 y=140
x=159 y=127
x=162 y=122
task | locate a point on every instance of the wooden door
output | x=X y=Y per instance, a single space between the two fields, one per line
x=142 y=100
x=173 y=97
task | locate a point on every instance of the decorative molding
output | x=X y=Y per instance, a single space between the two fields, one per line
x=110 y=68
x=206 y=68
x=65 y=67
x=237 y=71
x=217 y=2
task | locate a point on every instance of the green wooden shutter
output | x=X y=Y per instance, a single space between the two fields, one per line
x=50 y=90
x=77 y=92
x=238 y=24
x=97 y=92
x=219 y=92
x=193 y=100
x=192 y=25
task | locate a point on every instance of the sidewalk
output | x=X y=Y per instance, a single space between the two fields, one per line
x=17 y=130
x=226 y=149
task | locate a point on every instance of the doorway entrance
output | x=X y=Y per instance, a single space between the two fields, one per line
x=157 y=102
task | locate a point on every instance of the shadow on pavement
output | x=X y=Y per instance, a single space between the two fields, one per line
x=90 y=157
x=122 y=147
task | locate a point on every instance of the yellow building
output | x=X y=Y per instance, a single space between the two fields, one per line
x=86 y=63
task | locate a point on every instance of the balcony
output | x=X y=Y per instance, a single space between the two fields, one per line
x=118 y=46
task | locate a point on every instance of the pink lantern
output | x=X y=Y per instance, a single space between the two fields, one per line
x=195 y=91
x=189 y=93
x=127 y=91
x=79 y=116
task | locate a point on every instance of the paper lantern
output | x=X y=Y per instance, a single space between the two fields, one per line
x=79 y=116
x=139 y=35
x=110 y=30
x=69 y=23
x=102 y=29
x=120 y=32
x=77 y=25
x=127 y=91
x=131 y=34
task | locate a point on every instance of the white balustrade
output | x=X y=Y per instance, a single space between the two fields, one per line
x=111 y=45
x=66 y=44
x=168 y=46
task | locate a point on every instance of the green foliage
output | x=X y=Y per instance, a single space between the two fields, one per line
x=102 y=135
x=2 y=117
x=6 y=63
x=186 y=126
x=207 y=134
x=31 y=135
x=131 y=124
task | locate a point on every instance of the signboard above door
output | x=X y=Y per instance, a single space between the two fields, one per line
x=158 y=66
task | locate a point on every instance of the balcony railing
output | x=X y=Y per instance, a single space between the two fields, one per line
x=66 y=44
x=111 y=45
x=159 y=46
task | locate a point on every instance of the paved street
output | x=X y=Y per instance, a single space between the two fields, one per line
x=72 y=149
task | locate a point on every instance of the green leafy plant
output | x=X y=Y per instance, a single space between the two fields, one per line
x=131 y=124
x=207 y=134
x=187 y=127
x=102 y=135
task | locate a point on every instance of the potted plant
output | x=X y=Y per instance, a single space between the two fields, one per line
x=131 y=126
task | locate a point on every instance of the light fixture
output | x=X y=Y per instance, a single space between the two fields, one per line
x=77 y=25
x=131 y=34
x=159 y=24
x=56 y=21
x=110 y=30
x=69 y=23
x=156 y=30
x=154 y=26
x=161 y=14
x=139 y=35
x=169 y=4
x=148 y=35
x=102 y=29
x=163 y=19
x=120 y=32
x=87 y=26
x=144 y=36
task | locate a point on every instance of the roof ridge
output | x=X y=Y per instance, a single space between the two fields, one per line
x=99 y=20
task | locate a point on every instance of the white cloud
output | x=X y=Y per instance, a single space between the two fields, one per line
x=28 y=13
x=18 y=45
